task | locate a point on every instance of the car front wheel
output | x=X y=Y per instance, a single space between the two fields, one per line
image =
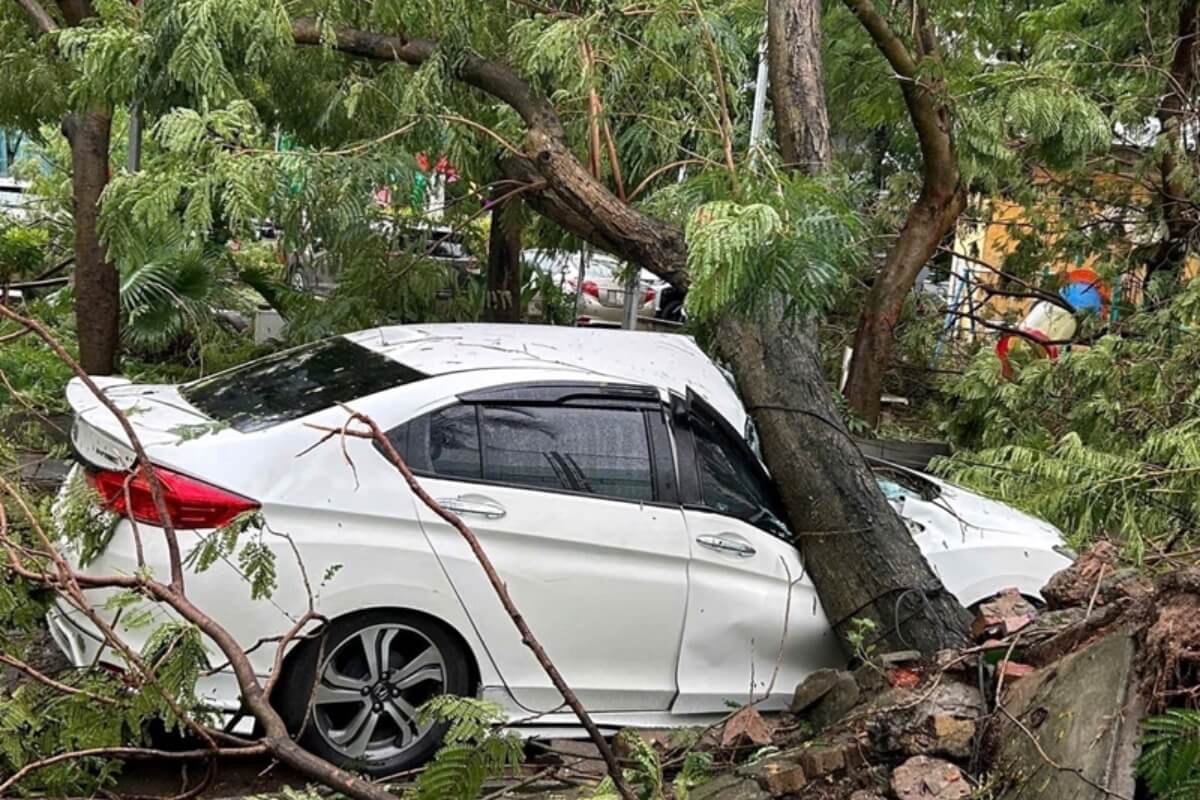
x=357 y=696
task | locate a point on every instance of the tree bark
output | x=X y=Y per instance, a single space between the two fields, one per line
x=798 y=84
x=97 y=288
x=861 y=557
x=504 y=261
x=833 y=502
x=931 y=217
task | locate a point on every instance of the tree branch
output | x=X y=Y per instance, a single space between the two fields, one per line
x=928 y=114
x=129 y=754
x=38 y=15
x=573 y=198
x=143 y=461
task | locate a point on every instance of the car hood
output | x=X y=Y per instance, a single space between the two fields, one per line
x=966 y=508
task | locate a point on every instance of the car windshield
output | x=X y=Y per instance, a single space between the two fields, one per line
x=295 y=383
x=897 y=483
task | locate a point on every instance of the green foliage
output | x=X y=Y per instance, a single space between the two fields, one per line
x=22 y=250
x=1104 y=441
x=175 y=652
x=1170 y=760
x=696 y=770
x=795 y=241
x=645 y=775
x=167 y=293
x=472 y=751
x=241 y=540
x=860 y=636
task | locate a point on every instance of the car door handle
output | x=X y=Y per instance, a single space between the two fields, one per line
x=727 y=543
x=465 y=504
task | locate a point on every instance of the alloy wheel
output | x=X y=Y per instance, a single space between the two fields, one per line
x=369 y=688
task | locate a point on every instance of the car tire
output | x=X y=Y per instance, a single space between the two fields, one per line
x=355 y=706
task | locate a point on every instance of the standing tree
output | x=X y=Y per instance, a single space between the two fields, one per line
x=941 y=199
x=87 y=125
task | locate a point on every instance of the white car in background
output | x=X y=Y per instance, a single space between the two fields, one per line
x=605 y=473
x=602 y=298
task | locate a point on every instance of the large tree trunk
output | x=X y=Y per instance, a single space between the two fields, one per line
x=931 y=217
x=798 y=84
x=97 y=289
x=862 y=559
x=504 y=261
x=857 y=550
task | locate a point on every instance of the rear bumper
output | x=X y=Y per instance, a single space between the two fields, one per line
x=82 y=645
x=77 y=639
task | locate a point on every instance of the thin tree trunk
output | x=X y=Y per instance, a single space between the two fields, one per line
x=504 y=261
x=97 y=303
x=930 y=218
x=857 y=550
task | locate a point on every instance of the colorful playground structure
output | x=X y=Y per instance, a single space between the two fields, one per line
x=1049 y=324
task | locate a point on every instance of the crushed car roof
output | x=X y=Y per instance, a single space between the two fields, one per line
x=665 y=360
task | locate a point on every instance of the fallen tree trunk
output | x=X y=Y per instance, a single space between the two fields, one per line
x=861 y=557
x=855 y=547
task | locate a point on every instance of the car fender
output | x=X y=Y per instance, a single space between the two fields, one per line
x=977 y=573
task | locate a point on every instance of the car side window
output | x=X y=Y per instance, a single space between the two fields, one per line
x=731 y=484
x=602 y=451
x=454 y=443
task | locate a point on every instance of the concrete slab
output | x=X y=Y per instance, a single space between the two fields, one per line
x=1078 y=732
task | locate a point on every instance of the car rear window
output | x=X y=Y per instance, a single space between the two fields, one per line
x=296 y=383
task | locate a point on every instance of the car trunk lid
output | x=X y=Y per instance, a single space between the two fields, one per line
x=158 y=414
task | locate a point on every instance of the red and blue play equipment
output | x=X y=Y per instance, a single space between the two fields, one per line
x=1049 y=324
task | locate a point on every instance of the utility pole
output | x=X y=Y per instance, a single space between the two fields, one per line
x=760 y=102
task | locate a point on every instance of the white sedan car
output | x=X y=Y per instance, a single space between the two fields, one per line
x=605 y=473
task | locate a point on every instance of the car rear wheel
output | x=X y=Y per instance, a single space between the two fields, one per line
x=362 y=690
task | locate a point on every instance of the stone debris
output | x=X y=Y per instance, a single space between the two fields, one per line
x=1079 y=711
x=934 y=719
x=826 y=696
x=924 y=778
x=746 y=727
x=1075 y=585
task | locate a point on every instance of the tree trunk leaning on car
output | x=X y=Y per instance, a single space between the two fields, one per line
x=856 y=548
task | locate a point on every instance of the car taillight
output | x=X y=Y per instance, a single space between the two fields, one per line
x=590 y=287
x=190 y=503
x=650 y=295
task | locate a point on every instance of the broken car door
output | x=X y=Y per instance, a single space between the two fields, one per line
x=750 y=606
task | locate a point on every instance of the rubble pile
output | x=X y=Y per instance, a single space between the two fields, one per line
x=1046 y=705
